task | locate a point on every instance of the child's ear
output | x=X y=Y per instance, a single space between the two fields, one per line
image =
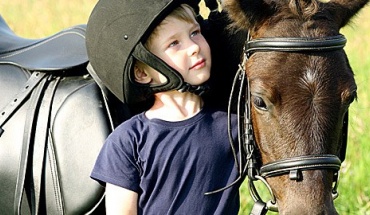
x=141 y=76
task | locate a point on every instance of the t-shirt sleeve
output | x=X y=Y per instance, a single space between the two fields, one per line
x=117 y=164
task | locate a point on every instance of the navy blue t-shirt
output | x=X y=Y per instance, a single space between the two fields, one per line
x=172 y=164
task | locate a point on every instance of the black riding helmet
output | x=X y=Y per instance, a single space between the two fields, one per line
x=116 y=32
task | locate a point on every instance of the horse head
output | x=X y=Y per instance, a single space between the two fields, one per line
x=300 y=88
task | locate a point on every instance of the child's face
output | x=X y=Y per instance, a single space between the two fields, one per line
x=182 y=46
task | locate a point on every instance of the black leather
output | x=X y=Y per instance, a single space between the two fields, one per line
x=21 y=96
x=77 y=128
x=301 y=163
x=286 y=44
x=53 y=127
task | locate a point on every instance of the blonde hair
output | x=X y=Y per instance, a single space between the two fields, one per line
x=179 y=13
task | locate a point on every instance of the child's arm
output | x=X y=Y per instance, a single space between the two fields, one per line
x=121 y=201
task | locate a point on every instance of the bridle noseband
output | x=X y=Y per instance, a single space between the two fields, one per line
x=247 y=161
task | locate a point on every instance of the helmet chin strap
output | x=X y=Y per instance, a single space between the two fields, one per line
x=175 y=79
x=196 y=89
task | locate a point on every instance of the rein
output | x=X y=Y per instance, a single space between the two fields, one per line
x=247 y=159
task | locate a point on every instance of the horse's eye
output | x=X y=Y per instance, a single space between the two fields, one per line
x=353 y=97
x=259 y=103
x=350 y=98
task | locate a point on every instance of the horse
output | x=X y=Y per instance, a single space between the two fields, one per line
x=298 y=86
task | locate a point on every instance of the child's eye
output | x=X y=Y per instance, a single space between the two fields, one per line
x=174 y=43
x=195 y=33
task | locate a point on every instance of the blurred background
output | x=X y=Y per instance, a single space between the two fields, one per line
x=40 y=18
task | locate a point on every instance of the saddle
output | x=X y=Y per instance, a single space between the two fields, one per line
x=54 y=119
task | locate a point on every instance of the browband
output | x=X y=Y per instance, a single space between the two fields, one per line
x=295 y=44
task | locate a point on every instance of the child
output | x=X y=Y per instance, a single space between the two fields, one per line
x=164 y=160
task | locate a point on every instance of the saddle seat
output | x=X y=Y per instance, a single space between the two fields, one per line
x=61 y=51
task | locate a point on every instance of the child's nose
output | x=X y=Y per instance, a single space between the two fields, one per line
x=193 y=48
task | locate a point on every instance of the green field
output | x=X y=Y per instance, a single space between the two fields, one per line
x=36 y=19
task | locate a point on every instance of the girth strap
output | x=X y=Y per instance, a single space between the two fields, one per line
x=9 y=110
x=30 y=126
x=41 y=142
x=35 y=141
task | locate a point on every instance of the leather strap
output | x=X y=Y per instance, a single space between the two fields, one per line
x=56 y=178
x=259 y=208
x=40 y=141
x=287 y=44
x=17 y=102
x=292 y=166
x=30 y=126
x=343 y=149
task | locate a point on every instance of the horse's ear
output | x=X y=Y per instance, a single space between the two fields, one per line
x=344 y=10
x=246 y=14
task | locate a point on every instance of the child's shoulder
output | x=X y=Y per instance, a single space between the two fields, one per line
x=133 y=124
x=220 y=114
x=214 y=110
x=135 y=119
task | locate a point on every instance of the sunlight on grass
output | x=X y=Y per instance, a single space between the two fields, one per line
x=39 y=18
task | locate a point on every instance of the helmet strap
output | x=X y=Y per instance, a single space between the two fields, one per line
x=196 y=89
x=175 y=80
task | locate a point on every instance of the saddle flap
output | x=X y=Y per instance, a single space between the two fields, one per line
x=69 y=129
x=60 y=51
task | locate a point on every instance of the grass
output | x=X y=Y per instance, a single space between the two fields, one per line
x=354 y=185
x=40 y=18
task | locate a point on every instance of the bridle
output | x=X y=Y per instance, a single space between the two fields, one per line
x=247 y=160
